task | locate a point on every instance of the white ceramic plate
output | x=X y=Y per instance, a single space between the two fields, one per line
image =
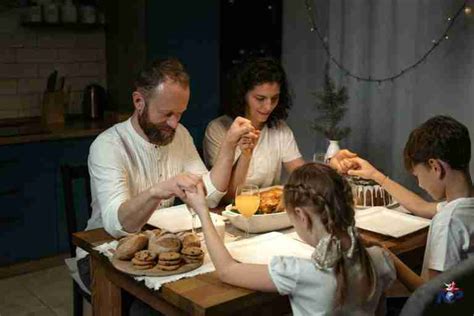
x=389 y=222
x=257 y=223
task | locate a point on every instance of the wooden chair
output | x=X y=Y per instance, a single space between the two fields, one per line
x=70 y=175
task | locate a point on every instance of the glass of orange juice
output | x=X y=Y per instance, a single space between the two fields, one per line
x=247 y=201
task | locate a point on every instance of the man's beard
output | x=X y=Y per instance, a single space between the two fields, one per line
x=158 y=134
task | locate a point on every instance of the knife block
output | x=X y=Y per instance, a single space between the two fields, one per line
x=52 y=111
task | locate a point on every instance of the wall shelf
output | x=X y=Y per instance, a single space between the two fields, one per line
x=65 y=26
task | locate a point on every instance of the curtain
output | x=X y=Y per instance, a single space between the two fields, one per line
x=379 y=38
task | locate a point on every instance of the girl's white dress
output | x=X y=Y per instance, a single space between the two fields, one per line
x=311 y=290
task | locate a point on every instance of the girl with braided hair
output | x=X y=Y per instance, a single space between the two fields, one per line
x=341 y=278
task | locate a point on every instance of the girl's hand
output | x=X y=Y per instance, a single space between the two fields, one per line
x=361 y=168
x=197 y=200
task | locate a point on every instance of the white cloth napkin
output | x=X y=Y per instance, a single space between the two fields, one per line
x=257 y=250
x=260 y=249
x=176 y=219
x=294 y=235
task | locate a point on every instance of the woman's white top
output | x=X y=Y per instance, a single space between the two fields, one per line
x=312 y=290
x=275 y=146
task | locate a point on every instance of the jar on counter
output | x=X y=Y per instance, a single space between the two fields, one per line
x=68 y=12
x=51 y=13
x=33 y=14
x=88 y=14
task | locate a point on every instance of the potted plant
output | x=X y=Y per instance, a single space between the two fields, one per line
x=331 y=106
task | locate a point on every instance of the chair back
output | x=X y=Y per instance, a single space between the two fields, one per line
x=70 y=176
x=432 y=298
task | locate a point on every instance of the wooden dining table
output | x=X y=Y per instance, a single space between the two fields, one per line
x=205 y=294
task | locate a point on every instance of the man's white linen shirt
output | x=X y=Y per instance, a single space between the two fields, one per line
x=122 y=164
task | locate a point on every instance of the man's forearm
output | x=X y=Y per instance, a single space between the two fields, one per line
x=134 y=213
x=408 y=199
x=222 y=169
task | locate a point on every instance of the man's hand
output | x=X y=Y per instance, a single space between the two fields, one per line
x=196 y=200
x=361 y=168
x=338 y=158
x=176 y=186
x=240 y=127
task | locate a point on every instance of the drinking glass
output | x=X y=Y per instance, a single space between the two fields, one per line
x=247 y=201
x=193 y=219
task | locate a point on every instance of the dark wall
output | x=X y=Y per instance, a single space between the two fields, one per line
x=189 y=31
x=125 y=50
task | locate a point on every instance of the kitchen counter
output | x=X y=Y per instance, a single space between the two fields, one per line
x=27 y=130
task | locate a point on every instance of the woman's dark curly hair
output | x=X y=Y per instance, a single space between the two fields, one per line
x=253 y=72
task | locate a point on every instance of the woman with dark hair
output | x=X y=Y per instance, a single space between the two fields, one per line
x=258 y=91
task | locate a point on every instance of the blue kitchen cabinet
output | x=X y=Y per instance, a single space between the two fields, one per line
x=27 y=216
x=32 y=218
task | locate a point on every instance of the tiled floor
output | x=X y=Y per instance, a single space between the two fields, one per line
x=45 y=292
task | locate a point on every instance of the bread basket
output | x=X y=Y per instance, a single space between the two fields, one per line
x=258 y=223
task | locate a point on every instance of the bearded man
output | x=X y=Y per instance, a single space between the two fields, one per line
x=143 y=163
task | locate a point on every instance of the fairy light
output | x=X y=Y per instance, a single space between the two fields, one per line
x=467 y=9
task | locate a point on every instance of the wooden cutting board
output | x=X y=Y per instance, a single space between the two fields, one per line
x=127 y=267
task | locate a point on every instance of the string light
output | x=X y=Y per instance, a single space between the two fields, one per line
x=435 y=42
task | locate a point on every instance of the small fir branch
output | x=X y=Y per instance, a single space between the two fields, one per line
x=330 y=103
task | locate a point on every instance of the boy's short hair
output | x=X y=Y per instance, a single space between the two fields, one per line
x=440 y=137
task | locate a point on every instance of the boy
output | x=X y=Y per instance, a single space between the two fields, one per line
x=438 y=154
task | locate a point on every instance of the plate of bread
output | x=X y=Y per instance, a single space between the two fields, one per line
x=158 y=253
x=270 y=216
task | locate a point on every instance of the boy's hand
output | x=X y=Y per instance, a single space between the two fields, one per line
x=370 y=242
x=197 y=200
x=361 y=168
x=338 y=158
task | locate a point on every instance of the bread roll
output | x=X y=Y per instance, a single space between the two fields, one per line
x=190 y=240
x=130 y=244
x=154 y=232
x=164 y=243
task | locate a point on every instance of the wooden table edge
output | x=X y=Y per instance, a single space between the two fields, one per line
x=165 y=300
